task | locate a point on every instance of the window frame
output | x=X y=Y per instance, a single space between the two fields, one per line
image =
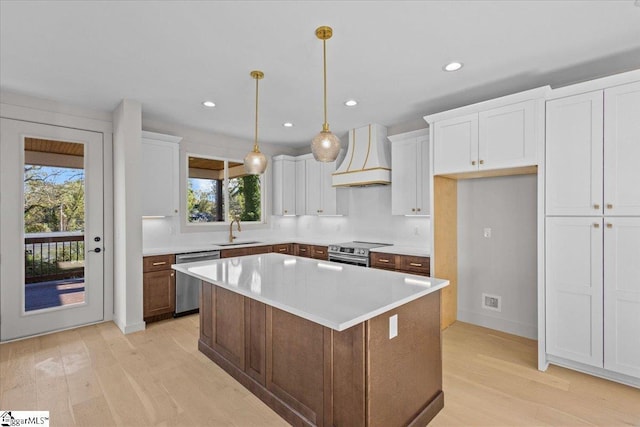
x=220 y=225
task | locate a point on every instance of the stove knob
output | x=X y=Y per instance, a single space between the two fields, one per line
x=360 y=251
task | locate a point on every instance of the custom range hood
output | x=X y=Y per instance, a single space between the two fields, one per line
x=368 y=159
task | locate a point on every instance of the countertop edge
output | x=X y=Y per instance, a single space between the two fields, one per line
x=321 y=321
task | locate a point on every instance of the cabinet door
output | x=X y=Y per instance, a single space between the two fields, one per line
x=313 y=187
x=456 y=145
x=507 y=136
x=574 y=289
x=404 y=177
x=622 y=295
x=574 y=155
x=159 y=293
x=622 y=150
x=423 y=196
x=284 y=187
x=329 y=192
x=159 y=178
x=300 y=185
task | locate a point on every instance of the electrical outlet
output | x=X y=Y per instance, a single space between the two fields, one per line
x=393 y=326
x=492 y=302
x=487 y=232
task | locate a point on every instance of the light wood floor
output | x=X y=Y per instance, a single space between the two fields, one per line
x=97 y=376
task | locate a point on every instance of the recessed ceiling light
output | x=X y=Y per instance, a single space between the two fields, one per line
x=288 y=125
x=209 y=104
x=452 y=66
x=351 y=103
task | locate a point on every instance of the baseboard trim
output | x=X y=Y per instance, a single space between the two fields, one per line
x=508 y=326
x=596 y=372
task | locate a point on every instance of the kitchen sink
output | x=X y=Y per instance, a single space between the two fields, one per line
x=236 y=243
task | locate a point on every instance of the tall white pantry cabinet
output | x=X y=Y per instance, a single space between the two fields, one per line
x=592 y=228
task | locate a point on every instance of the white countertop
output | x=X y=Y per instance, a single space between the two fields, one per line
x=201 y=247
x=334 y=295
x=402 y=250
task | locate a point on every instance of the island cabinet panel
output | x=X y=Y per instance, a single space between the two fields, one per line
x=405 y=373
x=228 y=325
x=255 y=351
x=312 y=375
x=295 y=363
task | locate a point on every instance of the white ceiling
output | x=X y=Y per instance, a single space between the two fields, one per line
x=386 y=54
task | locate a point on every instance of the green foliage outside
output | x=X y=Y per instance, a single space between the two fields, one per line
x=244 y=200
x=53 y=201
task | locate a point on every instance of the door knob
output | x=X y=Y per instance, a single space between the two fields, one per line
x=96 y=250
x=96 y=239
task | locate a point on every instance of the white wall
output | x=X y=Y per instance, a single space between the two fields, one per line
x=127 y=155
x=369 y=216
x=504 y=264
x=369 y=219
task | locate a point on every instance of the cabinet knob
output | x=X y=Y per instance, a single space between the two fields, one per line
x=609 y=206
x=285 y=211
x=173 y=274
x=609 y=225
x=175 y=211
x=596 y=206
x=596 y=225
x=418 y=209
x=482 y=162
x=413 y=209
x=473 y=162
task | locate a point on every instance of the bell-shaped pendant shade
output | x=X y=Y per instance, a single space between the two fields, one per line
x=325 y=146
x=255 y=163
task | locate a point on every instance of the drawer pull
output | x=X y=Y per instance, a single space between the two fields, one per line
x=415 y=264
x=482 y=162
x=473 y=162
x=383 y=260
x=172 y=274
x=609 y=206
x=160 y=263
x=282 y=250
x=596 y=225
x=320 y=252
x=609 y=225
x=596 y=206
x=303 y=250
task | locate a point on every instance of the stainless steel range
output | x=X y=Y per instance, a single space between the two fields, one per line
x=354 y=253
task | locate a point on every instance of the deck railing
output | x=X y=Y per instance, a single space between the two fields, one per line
x=53 y=256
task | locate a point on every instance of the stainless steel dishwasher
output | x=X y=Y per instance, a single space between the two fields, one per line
x=188 y=287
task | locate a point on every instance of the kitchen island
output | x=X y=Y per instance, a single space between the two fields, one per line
x=323 y=343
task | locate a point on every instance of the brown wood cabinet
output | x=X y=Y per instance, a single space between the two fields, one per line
x=303 y=250
x=310 y=251
x=158 y=287
x=402 y=263
x=283 y=248
x=253 y=250
x=313 y=375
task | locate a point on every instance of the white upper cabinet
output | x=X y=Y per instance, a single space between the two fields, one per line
x=410 y=173
x=301 y=186
x=321 y=197
x=160 y=176
x=507 y=137
x=455 y=147
x=622 y=150
x=574 y=155
x=622 y=295
x=593 y=152
x=502 y=133
x=284 y=185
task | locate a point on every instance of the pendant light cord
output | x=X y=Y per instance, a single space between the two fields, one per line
x=325 y=125
x=255 y=141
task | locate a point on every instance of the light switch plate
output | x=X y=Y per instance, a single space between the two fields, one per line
x=393 y=326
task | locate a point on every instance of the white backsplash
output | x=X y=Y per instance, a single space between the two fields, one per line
x=369 y=219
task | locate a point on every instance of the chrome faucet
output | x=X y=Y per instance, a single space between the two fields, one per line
x=231 y=236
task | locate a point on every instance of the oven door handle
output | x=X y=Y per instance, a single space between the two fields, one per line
x=358 y=259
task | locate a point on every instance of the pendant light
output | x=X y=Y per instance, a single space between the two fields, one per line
x=325 y=146
x=255 y=162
